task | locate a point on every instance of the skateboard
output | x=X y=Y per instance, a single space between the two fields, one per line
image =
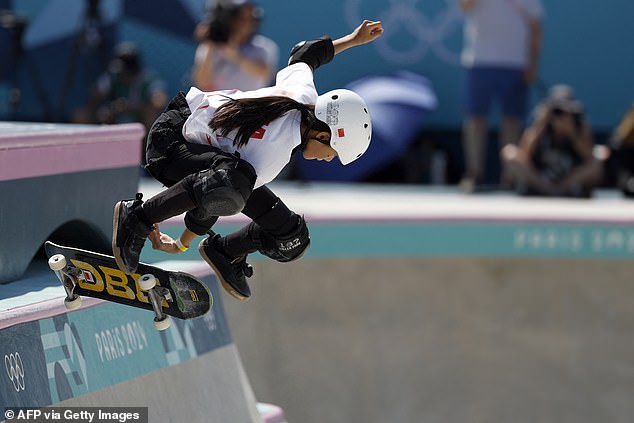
x=90 y=274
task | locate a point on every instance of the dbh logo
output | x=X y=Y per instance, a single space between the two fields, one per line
x=15 y=370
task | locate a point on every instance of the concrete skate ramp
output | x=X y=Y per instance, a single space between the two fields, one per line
x=106 y=354
x=518 y=310
x=211 y=388
x=60 y=182
x=442 y=339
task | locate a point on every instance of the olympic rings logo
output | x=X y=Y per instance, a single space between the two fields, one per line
x=15 y=370
x=428 y=31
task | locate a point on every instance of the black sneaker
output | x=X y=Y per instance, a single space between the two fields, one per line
x=128 y=234
x=232 y=272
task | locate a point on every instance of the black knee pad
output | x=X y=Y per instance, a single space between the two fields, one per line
x=283 y=248
x=222 y=192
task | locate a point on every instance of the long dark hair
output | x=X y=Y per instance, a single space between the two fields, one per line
x=248 y=115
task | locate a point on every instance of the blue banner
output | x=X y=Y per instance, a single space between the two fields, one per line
x=23 y=380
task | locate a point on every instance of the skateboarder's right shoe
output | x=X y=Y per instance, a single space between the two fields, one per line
x=231 y=271
x=128 y=234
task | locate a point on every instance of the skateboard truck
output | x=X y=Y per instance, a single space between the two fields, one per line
x=70 y=276
x=156 y=294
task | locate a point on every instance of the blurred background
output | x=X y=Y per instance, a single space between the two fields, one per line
x=55 y=50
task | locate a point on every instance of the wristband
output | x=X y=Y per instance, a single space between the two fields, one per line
x=180 y=245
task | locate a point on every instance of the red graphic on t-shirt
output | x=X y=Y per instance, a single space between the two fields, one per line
x=259 y=134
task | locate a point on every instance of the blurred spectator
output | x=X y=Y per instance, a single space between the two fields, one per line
x=555 y=154
x=126 y=92
x=231 y=54
x=623 y=152
x=502 y=44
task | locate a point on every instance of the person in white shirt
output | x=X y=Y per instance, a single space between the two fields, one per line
x=502 y=44
x=216 y=151
x=231 y=54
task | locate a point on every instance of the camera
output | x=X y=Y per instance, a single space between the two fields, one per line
x=224 y=14
x=221 y=17
x=566 y=106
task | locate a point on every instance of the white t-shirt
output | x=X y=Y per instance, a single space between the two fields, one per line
x=228 y=75
x=496 y=32
x=269 y=149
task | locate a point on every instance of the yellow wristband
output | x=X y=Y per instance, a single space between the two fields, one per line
x=180 y=245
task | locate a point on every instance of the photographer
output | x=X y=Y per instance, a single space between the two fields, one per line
x=555 y=155
x=126 y=92
x=231 y=54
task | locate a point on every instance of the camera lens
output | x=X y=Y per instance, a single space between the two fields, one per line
x=558 y=112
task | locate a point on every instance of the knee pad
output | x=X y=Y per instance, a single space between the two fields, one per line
x=282 y=248
x=222 y=192
x=314 y=52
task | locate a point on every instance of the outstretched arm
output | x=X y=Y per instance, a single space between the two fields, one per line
x=321 y=51
x=365 y=33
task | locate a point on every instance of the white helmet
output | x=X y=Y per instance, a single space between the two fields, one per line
x=347 y=115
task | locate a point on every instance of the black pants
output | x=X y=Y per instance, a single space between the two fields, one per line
x=178 y=165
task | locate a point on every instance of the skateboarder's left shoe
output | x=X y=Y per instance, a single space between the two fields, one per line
x=231 y=271
x=129 y=233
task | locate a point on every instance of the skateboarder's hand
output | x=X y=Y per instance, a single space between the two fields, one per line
x=163 y=242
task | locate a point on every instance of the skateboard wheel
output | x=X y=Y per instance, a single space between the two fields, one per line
x=57 y=262
x=163 y=324
x=73 y=304
x=147 y=282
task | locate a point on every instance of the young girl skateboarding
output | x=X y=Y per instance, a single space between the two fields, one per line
x=216 y=151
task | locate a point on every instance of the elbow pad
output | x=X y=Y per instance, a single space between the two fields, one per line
x=314 y=52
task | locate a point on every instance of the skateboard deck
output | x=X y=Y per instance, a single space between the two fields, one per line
x=90 y=274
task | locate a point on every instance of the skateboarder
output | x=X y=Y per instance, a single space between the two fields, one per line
x=215 y=151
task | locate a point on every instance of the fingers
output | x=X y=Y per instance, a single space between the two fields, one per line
x=162 y=242
x=157 y=243
x=373 y=27
x=375 y=32
x=155 y=237
x=369 y=30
